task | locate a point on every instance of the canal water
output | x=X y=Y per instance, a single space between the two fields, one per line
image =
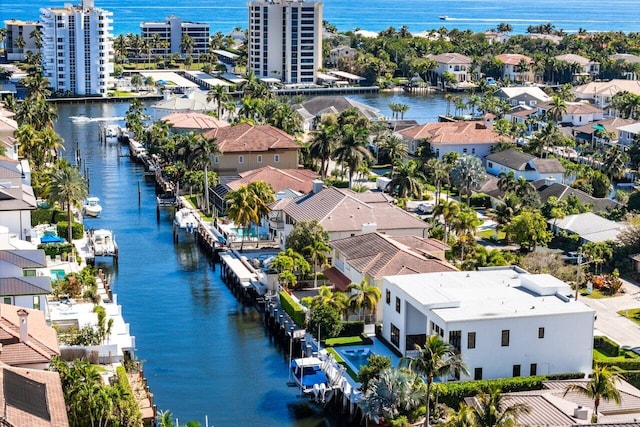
x=204 y=354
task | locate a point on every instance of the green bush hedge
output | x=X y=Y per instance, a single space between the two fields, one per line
x=622 y=363
x=352 y=329
x=46 y=216
x=480 y=200
x=567 y=376
x=292 y=308
x=606 y=346
x=632 y=377
x=77 y=229
x=452 y=394
x=53 y=249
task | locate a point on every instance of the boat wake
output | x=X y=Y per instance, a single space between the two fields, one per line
x=85 y=119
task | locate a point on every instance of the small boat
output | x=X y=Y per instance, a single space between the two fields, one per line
x=103 y=243
x=91 y=207
x=186 y=220
x=111 y=133
x=308 y=374
x=80 y=119
x=443 y=17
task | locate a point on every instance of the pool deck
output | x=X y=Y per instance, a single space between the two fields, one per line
x=377 y=348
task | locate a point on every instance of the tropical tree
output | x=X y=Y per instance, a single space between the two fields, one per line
x=438 y=173
x=601 y=386
x=492 y=411
x=463 y=417
x=352 y=150
x=263 y=195
x=598 y=253
x=363 y=296
x=528 y=229
x=322 y=145
x=557 y=108
x=220 y=95
x=317 y=252
x=436 y=359
x=393 y=393
x=467 y=173
x=187 y=44
x=406 y=180
x=337 y=300
x=449 y=210
x=614 y=163
x=67 y=186
x=241 y=209
x=201 y=150
x=544 y=138
x=304 y=234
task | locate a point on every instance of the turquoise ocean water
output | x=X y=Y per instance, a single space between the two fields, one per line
x=374 y=15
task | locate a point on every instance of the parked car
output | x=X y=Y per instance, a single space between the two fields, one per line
x=426 y=208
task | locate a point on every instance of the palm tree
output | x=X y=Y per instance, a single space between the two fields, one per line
x=317 y=252
x=439 y=173
x=463 y=417
x=201 y=150
x=363 y=296
x=263 y=195
x=322 y=145
x=337 y=300
x=395 y=148
x=614 y=163
x=352 y=151
x=557 y=108
x=490 y=410
x=506 y=181
x=241 y=209
x=391 y=394
x=406 y=180
x=187 y=44
x=221 y=96
x=449 y=209
x=601 y=386
x=165 y=419
x=467 y=173
x=67 y=185
x=548 y=136
x=436 y=359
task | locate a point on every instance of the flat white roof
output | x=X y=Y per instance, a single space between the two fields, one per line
x=244 y=275
x=169 y=79
x=327 y=77
x=208 y=78
x=232 y=78
x=226 y=54
x=346 y=75
x=489 y=294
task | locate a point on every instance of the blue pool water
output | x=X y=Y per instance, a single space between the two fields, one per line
x=356 y=355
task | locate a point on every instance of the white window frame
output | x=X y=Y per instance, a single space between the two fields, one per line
x=276 y=158
x=259 y=159
x=241 y=159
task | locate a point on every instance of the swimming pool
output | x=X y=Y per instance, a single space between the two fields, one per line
x=57 y=274
x=356 y=355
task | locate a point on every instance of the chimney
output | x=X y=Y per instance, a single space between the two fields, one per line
x=369 y=227
x=317 y=186
x=166 y=94
x=24 y=331
x=549 y=181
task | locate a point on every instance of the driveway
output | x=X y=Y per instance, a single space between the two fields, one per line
x=610 y=323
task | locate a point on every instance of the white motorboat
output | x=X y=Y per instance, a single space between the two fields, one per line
x=80 y=119
x=91 y=207
x=443 y=17
x=111 y=133
x=308 y=374
x=186 y=220
x=103 y=243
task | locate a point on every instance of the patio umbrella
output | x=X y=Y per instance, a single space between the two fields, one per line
x=50 y=238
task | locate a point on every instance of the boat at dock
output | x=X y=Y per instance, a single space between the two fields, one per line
x=185 y=220
x=102 y=243
x=308 y=374
x=110 y=133
x=91 y=207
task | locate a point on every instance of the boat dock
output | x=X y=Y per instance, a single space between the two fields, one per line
x=101 y=243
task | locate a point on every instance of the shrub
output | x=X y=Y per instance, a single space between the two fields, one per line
x=567 y=376
x=292 y=308
x=606 y=346
x=351 y=329
x=452 y=394
x=480 y=200
x=45 y=216
x=77 y=229
x=53 y=249
x=632 y=377
x=325 y=319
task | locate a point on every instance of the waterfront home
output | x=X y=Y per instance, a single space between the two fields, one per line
x=493 y=36
x=340 y=55
x=26 y=338
x=32 y=397
x=372 y=256
x=24 y=277
x=246 y=147
x=517 y=67
x=522 y=95
x=600 y=132
x=600 y=93
x=575 y=114
x=503 y=321
x=295 y=181
x=181 y=123
x=583 y=67
x=547 y=188
x=17 y=199
x=590 y=227
x=461 y=66
x=313 y=110
x=344 y=213
x=628 y=59
x=524 y=165
x=192 y=101
x=523 y=114
x=445 y=137
x=8 y=128
x=627 y=134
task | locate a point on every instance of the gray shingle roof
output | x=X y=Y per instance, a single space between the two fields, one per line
x=562 y=191
x=513 y=159
x=11 y=286
x=24 y=258
x=316 y=106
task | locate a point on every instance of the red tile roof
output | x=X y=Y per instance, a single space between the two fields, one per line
x=513 y=58
x=300 y=180
x=453 y=133
x=245 y=138
x=42 y=343
x=194 y=121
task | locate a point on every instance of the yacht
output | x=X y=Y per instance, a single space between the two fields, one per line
x=103 y=243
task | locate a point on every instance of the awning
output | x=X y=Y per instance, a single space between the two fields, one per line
x=599 y=127
x=336 y=277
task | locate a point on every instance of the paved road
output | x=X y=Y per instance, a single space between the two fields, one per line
x=610 y=323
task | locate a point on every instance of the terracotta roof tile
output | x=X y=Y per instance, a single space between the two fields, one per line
x=452 y=133
x=244 y=138
x=194 y=121
x=513 y=58
x=300 y=180
x=39 y=348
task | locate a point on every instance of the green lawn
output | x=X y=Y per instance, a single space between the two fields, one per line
x=488 y=235
x=631 y=314
x=595 y=294
x=357 y=340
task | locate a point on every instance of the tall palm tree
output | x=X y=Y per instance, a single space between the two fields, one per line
x=220 y=95
x=506 y=181
x=67 y=185
x=395 y=148
x=491 y=410
x=351 y=150
x=436 y=359
x=241 y=209
x=322 y=145
x=263 y=195
x=363 y=296
x=614 y=163
x=601 y=386
x=317 y=252
x=557 y=108
x=449 y=209
x=201 y=150
x=187 y=44
x=467 y=173
x=406 y=180
x=337 y=300
x=438 y=172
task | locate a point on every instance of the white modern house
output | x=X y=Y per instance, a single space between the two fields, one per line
x=576 y=113
x=285 y=40
x=627 y=134
x=504 y=321
x=455 y=63
x=524 y=165
x=77 y=50
x=17 y=199
x=170 y=33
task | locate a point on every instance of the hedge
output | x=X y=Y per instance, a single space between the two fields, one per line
x=567 y=376
x=480 y=200
x=624 y=364
x=292 y=308
x=53 y=249
x=632 y=377
x=351 y=329
x=606 y=346
x=123 y=379
x=452 y=394
x=77 y=229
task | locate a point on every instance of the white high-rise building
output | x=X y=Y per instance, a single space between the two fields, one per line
x=170 y=34
x=285 y=40
x=77 y=51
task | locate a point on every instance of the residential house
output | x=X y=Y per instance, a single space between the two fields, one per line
x=597 y=132
x=445 y=137
x=517 y=67
x=583 y=66
x=345 y=213
x=313 y=110
x=339 y=55
x=296 y=181
x=523 y=114
x=522 y=95
x=32 y=397
x=246 y=147
x=372 y=256
x=17 y=199
x=547 y=188
x=628 y=59
x=27 y=340
x=8 y=128
x=601 y=93
x=590 y=227
x=193 y=101
x=454 y=63
x=495 y=37
x=524 y=165
x=576 y=114
x=24 y=277
x=193 y=122
x=504 y=322
x=627 y=134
